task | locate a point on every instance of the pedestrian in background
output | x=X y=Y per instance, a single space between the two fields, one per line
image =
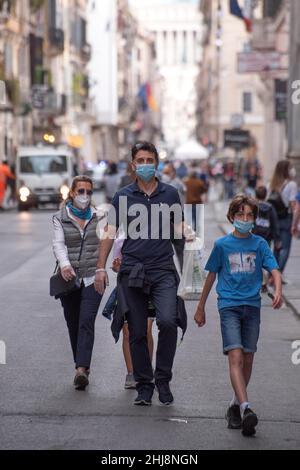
x=266 y=224
x=204 y=174
x=5 y=175
x=195 y=189
x=229 y=176
x=283 y=193
x=182 y=171
x=297 y=216
x=169 y=176
x=76 y=249
x=11 y=184
x=252 y=176
x=127 y=178
x=238 y=259
x=111 y=181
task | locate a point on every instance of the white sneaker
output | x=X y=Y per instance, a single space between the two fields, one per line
x=130 y=383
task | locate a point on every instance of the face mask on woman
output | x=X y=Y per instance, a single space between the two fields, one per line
x=166 y=178
x=82 y=201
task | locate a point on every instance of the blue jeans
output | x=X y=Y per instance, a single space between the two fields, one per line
x=240 y=328
x=282 y=255
x=80 y=311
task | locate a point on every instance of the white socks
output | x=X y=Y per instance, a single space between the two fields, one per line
x=243 y=407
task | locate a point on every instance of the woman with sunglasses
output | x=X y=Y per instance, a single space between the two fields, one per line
x=76 y=246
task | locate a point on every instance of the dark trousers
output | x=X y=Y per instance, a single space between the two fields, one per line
x=80 y=311
x=282 y=255
x=164 y=298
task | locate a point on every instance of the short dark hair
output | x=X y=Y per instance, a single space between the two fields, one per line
x=238 y=202
x=146 y=146
x=261 y=193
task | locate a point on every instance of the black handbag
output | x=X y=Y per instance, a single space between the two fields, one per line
x=59 y=287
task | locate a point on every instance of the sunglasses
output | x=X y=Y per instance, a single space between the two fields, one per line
x=89 y=192
x=138 y=146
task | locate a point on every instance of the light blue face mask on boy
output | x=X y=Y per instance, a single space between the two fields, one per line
x=243 y=227
x=145 y=171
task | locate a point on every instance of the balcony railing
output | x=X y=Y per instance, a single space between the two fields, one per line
x=47 y=101
x=57 y=40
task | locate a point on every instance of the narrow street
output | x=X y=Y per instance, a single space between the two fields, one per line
x=39 y=408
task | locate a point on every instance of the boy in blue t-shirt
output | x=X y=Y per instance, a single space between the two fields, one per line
x=238 y=260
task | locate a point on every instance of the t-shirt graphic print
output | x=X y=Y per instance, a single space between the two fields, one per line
x=242 y=262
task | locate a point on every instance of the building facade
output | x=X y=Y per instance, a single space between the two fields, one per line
x=223 y=92
x=43 y=61
x=123 y=78
x=60 y=53
x=246 y=81
x=271 y=26
x=177 y=32
x=15 y=104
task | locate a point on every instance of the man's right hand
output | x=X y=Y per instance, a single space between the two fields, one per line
x=68 y=273
x=101 y=281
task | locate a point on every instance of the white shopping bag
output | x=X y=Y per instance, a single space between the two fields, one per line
x=193 y=274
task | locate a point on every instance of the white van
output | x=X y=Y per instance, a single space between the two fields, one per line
x=44 y=175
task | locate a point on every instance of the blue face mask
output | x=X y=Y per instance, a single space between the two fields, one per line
x=145 y=172
x=243 y=227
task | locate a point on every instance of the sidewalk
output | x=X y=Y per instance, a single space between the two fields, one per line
x=291 y=291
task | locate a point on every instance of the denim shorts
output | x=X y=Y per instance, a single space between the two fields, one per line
x=240 y=328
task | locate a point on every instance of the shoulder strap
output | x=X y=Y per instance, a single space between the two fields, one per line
x=56 y=267
x=284 y=186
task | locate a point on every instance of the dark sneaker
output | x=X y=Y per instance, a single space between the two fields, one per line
x=249 y=422
x=164 y=393
x=145 y=392
x=233 y=416
x=81 y=381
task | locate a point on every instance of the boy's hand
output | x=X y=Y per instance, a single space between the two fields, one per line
x=277 y=300
x=199 y=317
